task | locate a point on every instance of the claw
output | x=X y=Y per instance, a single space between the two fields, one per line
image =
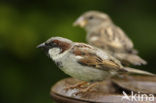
x=77 y=85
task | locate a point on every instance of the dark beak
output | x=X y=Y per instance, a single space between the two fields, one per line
x=41 y=45
x=44 y=47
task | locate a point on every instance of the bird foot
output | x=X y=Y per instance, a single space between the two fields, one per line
x=87 y=89
x=77 y=85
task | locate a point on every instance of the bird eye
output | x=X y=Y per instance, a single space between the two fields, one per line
x=51 y=44
x=54 y=44
x=90 y=17
x=46 y=44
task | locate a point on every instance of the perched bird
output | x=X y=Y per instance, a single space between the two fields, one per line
x=104 y=34
x=82 y=61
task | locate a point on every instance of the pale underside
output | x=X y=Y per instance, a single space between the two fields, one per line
x=89 y=71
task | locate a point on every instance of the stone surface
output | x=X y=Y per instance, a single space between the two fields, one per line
x=105 y=91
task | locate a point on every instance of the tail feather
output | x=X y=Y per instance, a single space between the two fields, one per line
x=137 y=71
x=130 y=59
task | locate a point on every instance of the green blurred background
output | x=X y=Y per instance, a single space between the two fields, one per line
x=26 y=73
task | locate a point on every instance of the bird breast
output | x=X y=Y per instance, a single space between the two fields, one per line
x=71 y=67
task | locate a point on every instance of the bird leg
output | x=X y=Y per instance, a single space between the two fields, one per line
x=77 y=85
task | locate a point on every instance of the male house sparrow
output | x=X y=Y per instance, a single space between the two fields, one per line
x=82 y=61
x=104 y=34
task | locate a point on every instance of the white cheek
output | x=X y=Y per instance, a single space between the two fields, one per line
x=54 y=52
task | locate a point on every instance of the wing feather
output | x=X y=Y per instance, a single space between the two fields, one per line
x=91 y=59
x=111 y=38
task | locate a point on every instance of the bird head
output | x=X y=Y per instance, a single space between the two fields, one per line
x=92 y=19
x=55 y=46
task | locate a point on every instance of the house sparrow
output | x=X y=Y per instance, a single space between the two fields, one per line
x=82 y=61
x=104 y=34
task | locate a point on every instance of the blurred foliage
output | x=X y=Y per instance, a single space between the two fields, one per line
x=26 y=73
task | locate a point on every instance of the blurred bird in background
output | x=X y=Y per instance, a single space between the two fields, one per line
x=104 y=34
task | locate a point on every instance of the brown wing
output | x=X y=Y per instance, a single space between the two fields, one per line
x=91 y=59
x=111 y=38
x=125 y=40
